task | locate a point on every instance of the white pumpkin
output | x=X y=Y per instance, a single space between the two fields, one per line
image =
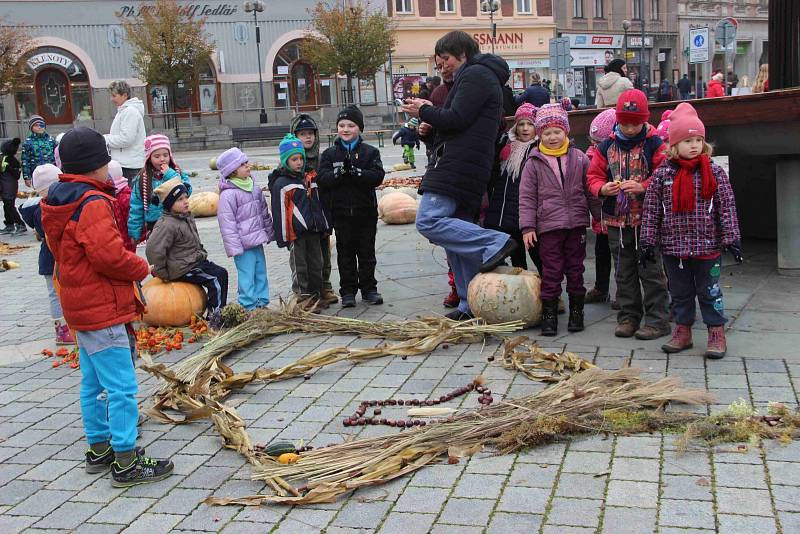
x=212 y=164
x=397 y=208
x=204 y=204
x=506 y=294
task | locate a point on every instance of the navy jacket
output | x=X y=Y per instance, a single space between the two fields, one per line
x=31 y=213
x=296 y=206
x=406 y=137
x=351 y=191
x=537 y=95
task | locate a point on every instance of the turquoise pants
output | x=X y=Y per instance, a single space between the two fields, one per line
x=251 y=267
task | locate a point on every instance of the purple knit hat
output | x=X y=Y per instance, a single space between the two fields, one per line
x=230 y=160
x=551 y=115
x=602 y=125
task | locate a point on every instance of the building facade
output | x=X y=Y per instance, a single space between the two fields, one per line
x=597 y=35
x=81 y=47
x=751 y=46
x=523 y=29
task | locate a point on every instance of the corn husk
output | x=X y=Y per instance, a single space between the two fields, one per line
x=519 y=354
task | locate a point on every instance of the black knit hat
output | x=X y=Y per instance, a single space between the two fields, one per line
x=352 y=113
x=82 y=150
x=615 y=65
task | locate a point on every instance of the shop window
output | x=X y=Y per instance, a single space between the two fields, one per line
x=599 y=12
x=403 y=6
x=524 y=7
x=577 y=9
x=326 y=90
x=366 y=90
x=201 y=98
x=447 y=6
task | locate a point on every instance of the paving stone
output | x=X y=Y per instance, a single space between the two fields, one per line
x=586 y=462
x=440 y=476
x=639 y=447
x=69 y=515
x=17 y=491
x=765 y=366
x=562 y=529
x=787 y=498
x=180 y=501
x=688 y=463
x=769 y=379
x=13 y=524
x=629 y=520
x=743 y=524
x=422 y=500
x=490 y=464
x=455 y=529
x=407 y=523
x=596 y=443
x=478 y=486
x=780 y=452
x=629 y=493
x=41 y=503
x=362 y=514
x=154 y=524
x=744 y=501
x=531 y=500
x=205 y=445
x=208 y=518
x=533 y=475
x=207 y=477
x=261 y=514
x=243 y=527
x=574 y=512
x=727 y=381
x=503 y=523
x=301 y=520
x=49 y=470
x=687 y=514
x=581 y=486
x=546 y=454
x=122 y=510
x=635 y=469
x=686 y=487
x=466 y=512
x=740 y=475
x=789 y=522
x=787 y=473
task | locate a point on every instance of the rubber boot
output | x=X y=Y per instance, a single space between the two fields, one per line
x=681 y=339
x=717 y=346
x=550 y=317
x=575 y=323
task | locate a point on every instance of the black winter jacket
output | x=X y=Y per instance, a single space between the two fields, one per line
x=9 y=169
x=296 y=205
x=536 y=94
x=467 y=128
x=348 y=179
x=405 y=136
x=502 y=213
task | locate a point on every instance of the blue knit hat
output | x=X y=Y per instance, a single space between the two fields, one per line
x=289 y=146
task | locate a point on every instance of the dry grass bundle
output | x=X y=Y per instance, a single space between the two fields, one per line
x=527 y=358
x=332 y=471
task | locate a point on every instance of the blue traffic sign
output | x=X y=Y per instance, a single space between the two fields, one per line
x=698 y=40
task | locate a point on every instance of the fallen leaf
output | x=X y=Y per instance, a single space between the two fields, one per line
x=702 y=481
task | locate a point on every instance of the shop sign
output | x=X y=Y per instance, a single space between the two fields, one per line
x=635 y=41
x=588 y=40
x=188 y=10
x=502 y=41
x=588 y=57
x=533 y=63
x=49 y=58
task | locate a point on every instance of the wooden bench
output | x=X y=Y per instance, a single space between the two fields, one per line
x=259 y=133
x=380 y=135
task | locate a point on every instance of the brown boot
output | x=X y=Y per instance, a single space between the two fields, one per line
x=717 y=346
x=648 y=332
x=594 y=295
x=329 y=296
x=625 y=329
x=681 y=339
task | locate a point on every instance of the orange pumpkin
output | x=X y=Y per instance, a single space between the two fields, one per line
x=172 y=303
x=204 y=204
x=397 y=208
x=506 y=294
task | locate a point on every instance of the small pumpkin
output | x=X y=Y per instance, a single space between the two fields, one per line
x=506 y=294
x=288 y=458
x=212 y=164
x=397 y=208
x=204 y=204
x=172 y=303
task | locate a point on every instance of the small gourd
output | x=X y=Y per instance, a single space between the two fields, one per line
x=288 y=458
x=276 y=448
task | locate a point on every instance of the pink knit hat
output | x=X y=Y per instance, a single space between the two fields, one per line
x=115 y=174
x=551 y=115
x=526 y=111
x=155 y=142
x=602 y=125
x=685 y=123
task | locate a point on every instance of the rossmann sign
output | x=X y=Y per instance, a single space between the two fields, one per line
x=507 y=41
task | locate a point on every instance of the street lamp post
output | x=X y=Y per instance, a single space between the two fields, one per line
x=491 y=6
x=256 y=7
x=626 y=25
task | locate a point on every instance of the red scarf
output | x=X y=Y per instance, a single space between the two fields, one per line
x=683 y=186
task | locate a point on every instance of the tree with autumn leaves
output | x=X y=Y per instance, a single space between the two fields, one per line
x=169 y=45
x=349 y=38
x=15 y=42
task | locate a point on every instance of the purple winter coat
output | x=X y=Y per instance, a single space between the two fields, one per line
x=244 y=220
x=545 y=204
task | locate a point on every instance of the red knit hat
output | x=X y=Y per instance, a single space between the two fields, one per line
x=685 y=123
x=632 y=107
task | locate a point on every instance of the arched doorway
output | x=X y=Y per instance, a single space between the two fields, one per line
x=303 y=86
x=295 y=82
x=53 y=95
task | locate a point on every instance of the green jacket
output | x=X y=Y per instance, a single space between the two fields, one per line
x=37 y=150
x=174 y=246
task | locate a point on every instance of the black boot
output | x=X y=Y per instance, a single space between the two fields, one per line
x=550 y=317
x=575 y=313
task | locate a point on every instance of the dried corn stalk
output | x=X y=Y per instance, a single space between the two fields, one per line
x=519 y=354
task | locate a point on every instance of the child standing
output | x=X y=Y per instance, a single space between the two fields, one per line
x=554 y=211
x=159 y=167
x=96 y=277
x=305 y=128
x=300 y=222
x=38 y=148
x=175 y=252
x=619 y=174
x=122 y=202
x=9 y=186
x=599 y=131
x=503 y=211
x=349 y=172
x=245 y=225
x=690 y=214
x=408 y=137
x=43 y=177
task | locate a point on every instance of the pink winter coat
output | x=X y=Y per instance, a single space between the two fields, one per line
x=244 y=220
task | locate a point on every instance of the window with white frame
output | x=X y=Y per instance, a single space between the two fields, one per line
x=577 y=9
x=447 y=6
x=403 y=6
x=637 y=9
x=599 y=12
x=524 y=6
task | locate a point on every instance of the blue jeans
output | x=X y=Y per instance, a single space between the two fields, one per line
x=112 y=370
x=251 y=266
x=467 y=245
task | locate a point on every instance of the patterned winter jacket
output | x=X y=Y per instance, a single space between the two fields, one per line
x=712 y=226
x=37 y=150
x=296 y=206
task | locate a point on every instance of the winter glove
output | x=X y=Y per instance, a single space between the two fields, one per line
x=735 y=249
x=647 y=253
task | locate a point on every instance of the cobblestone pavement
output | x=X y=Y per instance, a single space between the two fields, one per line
x=626 y=484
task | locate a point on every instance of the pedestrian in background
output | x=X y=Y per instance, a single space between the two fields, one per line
x=126 y=138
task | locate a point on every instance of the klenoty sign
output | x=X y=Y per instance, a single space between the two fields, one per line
x=52 y=58
x=188 y=10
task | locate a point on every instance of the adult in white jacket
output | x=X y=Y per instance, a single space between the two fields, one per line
x=612 y=84
x=126 y=140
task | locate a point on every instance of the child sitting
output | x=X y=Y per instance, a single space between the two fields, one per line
x=408 y=137
x=96 y=276
x=300 y=222
x=159 y=167
x=503 y=211
x=619 y=174
x=43 y=177
x=245 y=225
x=554 y=211
x=690 y=214
x=9 y=186
x=122 y=202
x=175 y=252
x=349 y=172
